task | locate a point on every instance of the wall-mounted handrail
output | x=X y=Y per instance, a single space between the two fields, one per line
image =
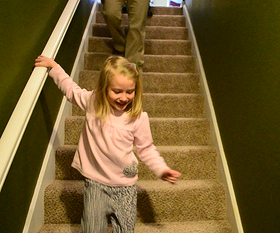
x=19 y=119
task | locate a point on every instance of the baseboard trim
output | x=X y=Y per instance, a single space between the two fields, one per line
x=233 y=215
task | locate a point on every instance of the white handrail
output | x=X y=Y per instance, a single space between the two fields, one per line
x=19 y=119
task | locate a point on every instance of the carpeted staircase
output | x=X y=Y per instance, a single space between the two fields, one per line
x=180 y=130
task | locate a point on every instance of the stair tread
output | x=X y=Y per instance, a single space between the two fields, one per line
x=158 y=201
x=160 y=10
x=151 y=185
x=163 y=104
x=152 y=46
x=156 y=40
x=166 y=131
x=160 y=148
x=193 y=162
x=210 y=226
x=175 y=29
x=153 y=82
x=173 y=56
x=157 y=118
x=147 y=26
x=173 y=94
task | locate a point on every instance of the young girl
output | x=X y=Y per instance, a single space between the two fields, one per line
x=114 y=123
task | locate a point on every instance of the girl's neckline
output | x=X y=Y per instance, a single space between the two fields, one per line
x=117 y=113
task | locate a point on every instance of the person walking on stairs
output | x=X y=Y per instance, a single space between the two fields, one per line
x=114 y=124
x=131 y=45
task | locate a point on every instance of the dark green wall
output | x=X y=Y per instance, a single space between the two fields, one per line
x=239 y=41
x=25 y=27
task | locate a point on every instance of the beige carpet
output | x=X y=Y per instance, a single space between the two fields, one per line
x=180 y=130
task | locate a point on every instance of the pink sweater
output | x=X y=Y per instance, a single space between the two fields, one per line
x=105 y=150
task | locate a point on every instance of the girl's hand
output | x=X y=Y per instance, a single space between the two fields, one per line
x=171 y=176
x=43 y=61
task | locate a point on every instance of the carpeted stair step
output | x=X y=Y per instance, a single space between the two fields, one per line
x=152 y=82
x=168 y=105
x=152 y=32
x=158 y=10
x=166 y=10
x=169 y=63
x=64 y=228
x=167 y=47
x=198 y=162
x=210 y=226
x=158 y=201
x=156 y=20
x=152 y=46
x=61 y=228
x=194 y=162
x=166 y=20
x=164 y=32
x=166 y=131
x=174 y=105
x=152 y=63
x=180 y=131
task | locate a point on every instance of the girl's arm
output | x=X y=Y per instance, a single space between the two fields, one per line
x=148 y=154
x=170 y=175
x=73 y=92
x=43 y=61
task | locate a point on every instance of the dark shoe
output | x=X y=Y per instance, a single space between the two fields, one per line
x=150 y=13
x=124 y=9
x=118 y=53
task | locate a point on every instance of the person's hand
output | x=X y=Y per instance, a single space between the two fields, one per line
x=170 y=175
x=43 y=61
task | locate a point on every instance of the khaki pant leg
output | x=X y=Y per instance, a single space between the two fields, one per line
x=112 y=13
x=135 y=40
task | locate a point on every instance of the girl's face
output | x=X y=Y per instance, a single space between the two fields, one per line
x=120 y=92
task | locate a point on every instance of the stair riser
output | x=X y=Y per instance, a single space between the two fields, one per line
x=65 y=205
x=183 y=205
x=169 y=64
x=160 y=63
x=190 y=132
x=152 y=32
x=164 y=106
x=174 y=105
x=170 y=83
x=152 y=82
x=166 y=10
x=155 y=47
x=172 y=47
x=167 y=21
x=156 y=20
x=193 y=164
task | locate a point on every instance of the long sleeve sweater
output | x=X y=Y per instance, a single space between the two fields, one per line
x=105 y=149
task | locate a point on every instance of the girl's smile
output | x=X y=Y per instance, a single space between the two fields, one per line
x=120 y=92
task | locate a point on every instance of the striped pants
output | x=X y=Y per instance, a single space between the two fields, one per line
x=103 y=203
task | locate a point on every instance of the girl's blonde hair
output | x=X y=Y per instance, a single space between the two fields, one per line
x=115 y=65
